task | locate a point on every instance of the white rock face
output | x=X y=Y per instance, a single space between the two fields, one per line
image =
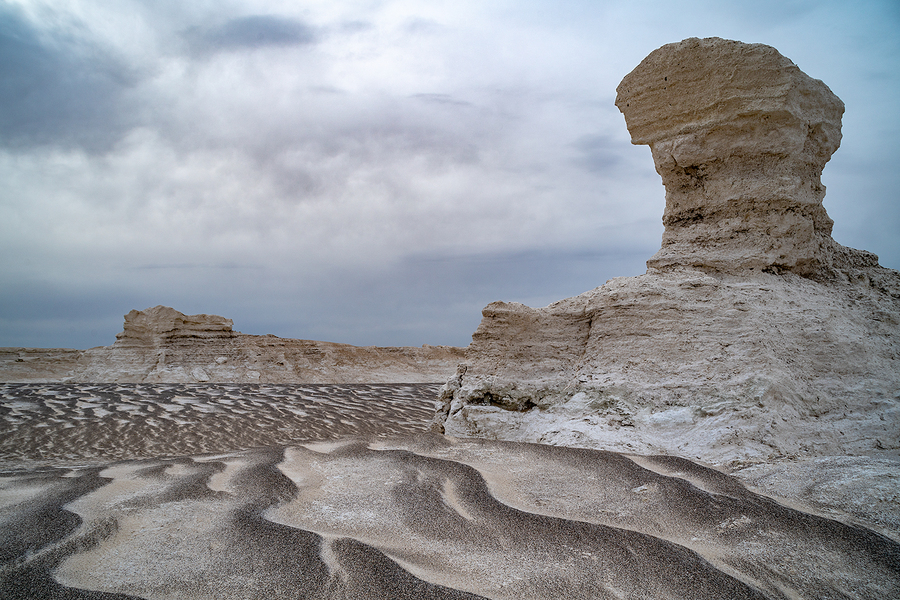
x=162 y=345
x=753 y=335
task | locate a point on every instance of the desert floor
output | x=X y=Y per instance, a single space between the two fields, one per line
x=337 y=491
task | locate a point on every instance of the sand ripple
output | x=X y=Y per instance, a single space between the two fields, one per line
x=416 y=516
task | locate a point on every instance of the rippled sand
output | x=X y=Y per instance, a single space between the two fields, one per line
x=402 y=516
x=77 y=421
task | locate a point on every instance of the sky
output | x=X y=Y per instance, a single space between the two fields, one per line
x=370 y=172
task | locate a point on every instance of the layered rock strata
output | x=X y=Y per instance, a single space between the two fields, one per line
x=753 y=335
x=740 y=137
x=162 y=345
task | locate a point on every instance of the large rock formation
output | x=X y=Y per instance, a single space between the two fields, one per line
x=162 y=345
x=740 y=136
x=753 y=333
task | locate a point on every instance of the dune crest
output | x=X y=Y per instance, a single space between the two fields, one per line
x=425 y=517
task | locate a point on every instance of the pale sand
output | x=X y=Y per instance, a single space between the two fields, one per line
x=412 y=515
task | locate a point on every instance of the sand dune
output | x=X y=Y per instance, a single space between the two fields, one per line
x=413 y=515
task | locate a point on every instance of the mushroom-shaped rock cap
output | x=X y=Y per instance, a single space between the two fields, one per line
x=740 y=136
x=748 y=94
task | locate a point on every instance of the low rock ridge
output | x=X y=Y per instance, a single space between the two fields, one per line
x=162 y=345
x=752 y=336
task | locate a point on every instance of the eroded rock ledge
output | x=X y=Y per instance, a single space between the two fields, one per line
x=162 y=345
x=753 y=335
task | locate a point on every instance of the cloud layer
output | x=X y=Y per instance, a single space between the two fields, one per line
x=372 y=173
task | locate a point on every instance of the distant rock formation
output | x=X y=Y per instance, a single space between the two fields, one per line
x=162 y=345
x=753 y=335
x=160 y=325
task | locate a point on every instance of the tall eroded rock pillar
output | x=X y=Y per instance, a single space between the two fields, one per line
x=753 y=335
x=740 y=136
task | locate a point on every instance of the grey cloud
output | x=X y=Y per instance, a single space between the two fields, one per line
x=441 y=99
x=54 y=91
x=423 y=26
x=37 y=313
x=254 y=31
x=443 y=295
x=355 y=26
x=327 y=89
x=435 y=299
x=521 y=275
x=194 y=266
x=284 y=188
x=387 y=136
x=598 y=153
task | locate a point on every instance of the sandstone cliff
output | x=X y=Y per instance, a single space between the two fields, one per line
x=753 y=334
x=162 y=345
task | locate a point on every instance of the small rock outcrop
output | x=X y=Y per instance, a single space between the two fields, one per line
x=162 y=345
x=752 y=335
x=160 y=325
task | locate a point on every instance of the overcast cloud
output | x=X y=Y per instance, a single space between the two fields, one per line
x=369 y=172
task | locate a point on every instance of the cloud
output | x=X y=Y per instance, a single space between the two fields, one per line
x=598 y=153
x=445 y=99
x=366 y=172
x=58 y=90
x=251 y=32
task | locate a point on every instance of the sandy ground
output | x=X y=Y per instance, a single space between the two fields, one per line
x=78 y=421
x=155 y=501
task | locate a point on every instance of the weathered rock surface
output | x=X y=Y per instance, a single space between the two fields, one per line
x=753 y=335
x=160 y=325
x=740 y=136
x=162 y=345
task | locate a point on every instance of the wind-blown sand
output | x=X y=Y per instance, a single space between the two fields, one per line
x=108 y=421
x=143 y=509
